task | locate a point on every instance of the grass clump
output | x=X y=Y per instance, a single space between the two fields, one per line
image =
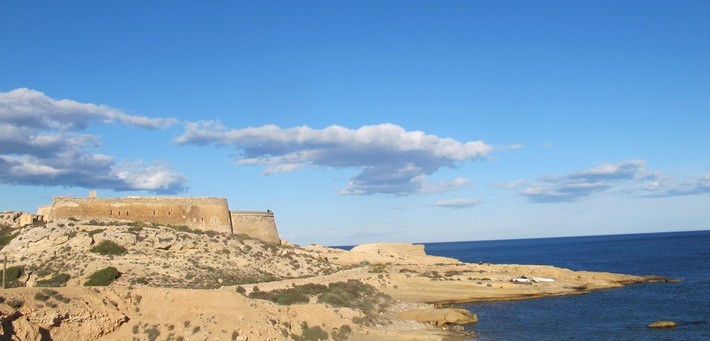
x=295 y=295
x=152 y=333
x=107 y=247
x=58 y=280
x=378 y=268
x=6 y=235
x=41 y=297
x=12 y=276
x=103 y=277
x=15 y=303
x=341 y=334
x=311 y=333
x=351 y=294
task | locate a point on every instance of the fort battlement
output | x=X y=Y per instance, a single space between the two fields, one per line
x=200 y=213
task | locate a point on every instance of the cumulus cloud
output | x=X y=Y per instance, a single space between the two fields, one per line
x=630 y=177
x=33 y=109
x=456 y=203
x=43 y=142
x=390 y=159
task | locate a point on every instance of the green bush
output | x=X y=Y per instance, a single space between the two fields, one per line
x=6 y=235
x=336 y=299
x=103 y=277
x=12 y=276
x=15 y=303
x=288 y=298
x=312 y=333
x=41 y=297
x=342 y=333
x=59 y=280
x=107 y=247
x=378 y=268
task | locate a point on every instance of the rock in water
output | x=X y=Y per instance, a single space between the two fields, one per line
x=662 y=324
x=439 y=317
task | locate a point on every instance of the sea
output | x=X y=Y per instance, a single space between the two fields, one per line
x=610 y=314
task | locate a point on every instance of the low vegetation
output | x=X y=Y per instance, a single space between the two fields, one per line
x=378 y=268
x=58 y=280
x=107 y=247
x=12 y=276
x=103 y=277
x=352 y=294
x=314 y=333
x=6 y=235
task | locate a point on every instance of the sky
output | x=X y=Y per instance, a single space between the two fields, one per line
x=366 y=121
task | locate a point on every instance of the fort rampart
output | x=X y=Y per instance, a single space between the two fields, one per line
x=195 y=213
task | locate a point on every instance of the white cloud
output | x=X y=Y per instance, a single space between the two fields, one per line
x=575 y=186
x=666 y=186
x=511 y=185
x=630 y=177
x=42 y=143
x=516 y=146
x=391 y=160
x=30 y=108
x=456 y=203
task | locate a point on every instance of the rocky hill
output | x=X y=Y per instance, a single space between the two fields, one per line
x=153 y=255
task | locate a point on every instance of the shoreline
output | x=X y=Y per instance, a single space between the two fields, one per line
x=177 y=285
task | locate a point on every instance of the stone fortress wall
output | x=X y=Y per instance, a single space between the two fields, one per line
x=256 y=224
x=205 y=214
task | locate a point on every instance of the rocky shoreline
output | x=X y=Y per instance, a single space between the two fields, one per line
x=173 y=284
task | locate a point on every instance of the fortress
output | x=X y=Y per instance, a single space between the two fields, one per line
x=205 y=214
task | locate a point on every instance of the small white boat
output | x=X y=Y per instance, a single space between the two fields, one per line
x=543 y=279
x=521 y=279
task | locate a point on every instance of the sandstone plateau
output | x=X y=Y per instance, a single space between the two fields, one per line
x=179 y=284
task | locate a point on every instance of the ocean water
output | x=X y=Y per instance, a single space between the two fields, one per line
x=612 y=314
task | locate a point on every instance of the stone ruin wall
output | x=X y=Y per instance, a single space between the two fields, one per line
x=196 y=213
x=256 y=224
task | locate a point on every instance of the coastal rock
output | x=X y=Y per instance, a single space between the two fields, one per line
x=662 y=324
x=439 y=317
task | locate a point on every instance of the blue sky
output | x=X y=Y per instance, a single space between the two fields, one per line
x=368 y=120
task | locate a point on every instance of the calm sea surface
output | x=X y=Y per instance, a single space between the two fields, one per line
x=613 y=314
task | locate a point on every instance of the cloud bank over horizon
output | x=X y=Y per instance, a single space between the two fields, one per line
x=390 y=159
x=630 y=177
x=43 y=142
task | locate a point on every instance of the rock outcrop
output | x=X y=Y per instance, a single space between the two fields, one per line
x=439 y=317
x=662 y=324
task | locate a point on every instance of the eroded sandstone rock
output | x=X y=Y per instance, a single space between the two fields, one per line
x=439 y=317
